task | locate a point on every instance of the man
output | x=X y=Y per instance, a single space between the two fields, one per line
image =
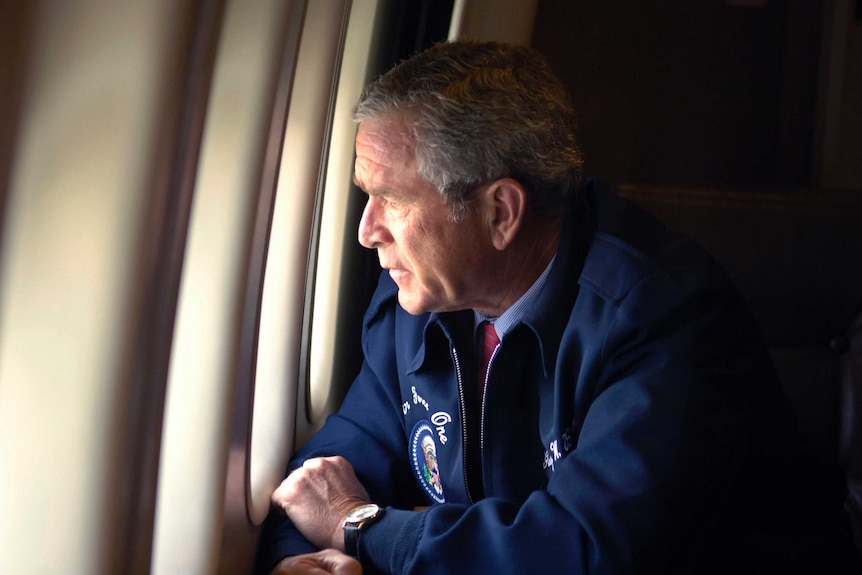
x=623 y=405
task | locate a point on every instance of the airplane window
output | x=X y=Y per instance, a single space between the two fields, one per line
x=345 y=273
x=337 y=228
x=281 y=318
x=205 y=351
x=89 y=94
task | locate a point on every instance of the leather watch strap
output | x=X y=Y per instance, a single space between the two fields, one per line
x=358 y=518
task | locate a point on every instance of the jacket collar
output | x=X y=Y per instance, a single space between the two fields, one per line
x=456 y=327
x=549 y=316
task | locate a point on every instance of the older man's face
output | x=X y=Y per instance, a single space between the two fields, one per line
x=433 y=260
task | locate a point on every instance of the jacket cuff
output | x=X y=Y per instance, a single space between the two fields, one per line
x=390 y=544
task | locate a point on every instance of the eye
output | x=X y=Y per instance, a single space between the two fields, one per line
x=391 y=203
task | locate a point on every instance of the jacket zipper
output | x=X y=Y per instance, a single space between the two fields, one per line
x=484 y=396
x=463 y=408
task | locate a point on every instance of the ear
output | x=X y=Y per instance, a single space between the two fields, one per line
x=504 y=209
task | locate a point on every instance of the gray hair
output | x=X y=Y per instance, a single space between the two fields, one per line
x=480 y=111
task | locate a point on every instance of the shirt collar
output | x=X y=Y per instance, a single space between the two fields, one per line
x=516 y=312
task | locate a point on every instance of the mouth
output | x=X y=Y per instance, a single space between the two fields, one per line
x=396 y=273
x=393 y=270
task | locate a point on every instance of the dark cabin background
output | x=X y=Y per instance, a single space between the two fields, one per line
x=729 y=93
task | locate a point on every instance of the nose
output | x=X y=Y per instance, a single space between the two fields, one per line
x=372 y=229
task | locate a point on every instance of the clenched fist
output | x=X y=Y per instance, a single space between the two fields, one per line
x=317 y=496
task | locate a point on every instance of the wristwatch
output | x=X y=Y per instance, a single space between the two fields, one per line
x=356 y=519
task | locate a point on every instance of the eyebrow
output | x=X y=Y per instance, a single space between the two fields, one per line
x=386 y=193
x=359 y=185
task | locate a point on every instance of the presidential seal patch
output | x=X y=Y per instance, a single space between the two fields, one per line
x=423 y=454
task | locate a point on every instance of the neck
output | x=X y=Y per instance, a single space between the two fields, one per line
x=521 y=264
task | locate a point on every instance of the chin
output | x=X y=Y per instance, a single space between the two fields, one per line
x=411 y=305
x=411 y=308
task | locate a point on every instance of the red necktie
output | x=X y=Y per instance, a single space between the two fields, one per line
x=490 y=341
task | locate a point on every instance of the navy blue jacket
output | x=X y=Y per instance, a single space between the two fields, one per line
x=615 y=431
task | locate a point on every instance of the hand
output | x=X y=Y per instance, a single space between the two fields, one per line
x=329 y=561
x=317 y=497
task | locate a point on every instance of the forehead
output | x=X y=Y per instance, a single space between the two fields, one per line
x=385 y=153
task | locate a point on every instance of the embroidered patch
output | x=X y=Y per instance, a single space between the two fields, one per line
x=423 y=454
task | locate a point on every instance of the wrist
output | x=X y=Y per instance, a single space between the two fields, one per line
x=357 y=520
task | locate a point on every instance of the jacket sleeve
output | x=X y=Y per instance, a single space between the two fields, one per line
x=366 y=431
x=655 y=459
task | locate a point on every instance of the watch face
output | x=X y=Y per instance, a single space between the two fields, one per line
x=363 y=512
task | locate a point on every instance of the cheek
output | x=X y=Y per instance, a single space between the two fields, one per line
x=435 y=247
x=414 y=238
x=449 y=258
